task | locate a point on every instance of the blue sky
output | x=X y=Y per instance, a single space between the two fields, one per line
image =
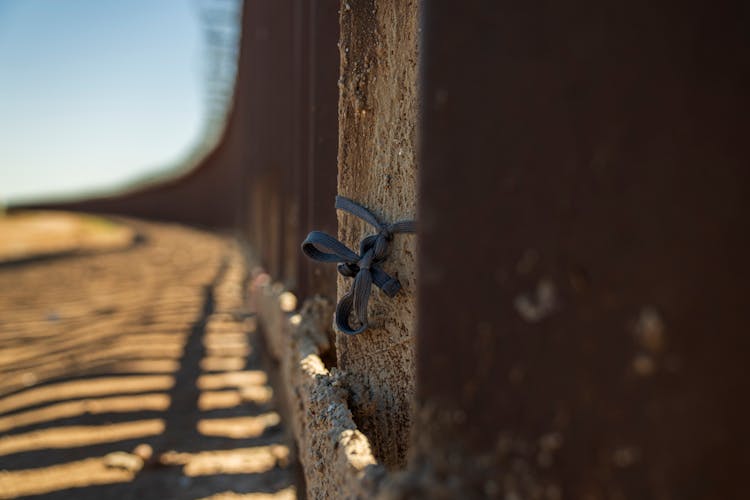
x=94 y=93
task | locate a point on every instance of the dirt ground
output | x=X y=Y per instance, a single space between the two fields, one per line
x=32 y=235
x=131 y=370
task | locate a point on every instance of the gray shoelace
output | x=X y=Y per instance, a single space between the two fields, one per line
x=365 y=268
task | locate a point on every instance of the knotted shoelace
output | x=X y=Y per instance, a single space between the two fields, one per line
x=365 y=268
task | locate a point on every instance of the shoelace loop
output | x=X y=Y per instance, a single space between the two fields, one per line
x=365 y=267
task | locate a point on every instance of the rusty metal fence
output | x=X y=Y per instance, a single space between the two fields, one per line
x=584 y=209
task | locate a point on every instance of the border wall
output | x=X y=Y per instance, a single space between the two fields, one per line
x=572 y=321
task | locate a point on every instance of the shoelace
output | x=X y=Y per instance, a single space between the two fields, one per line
x=365 y=268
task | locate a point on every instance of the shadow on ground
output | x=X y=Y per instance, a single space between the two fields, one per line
x=132 y=373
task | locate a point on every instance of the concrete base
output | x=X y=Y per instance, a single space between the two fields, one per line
x=335 y=456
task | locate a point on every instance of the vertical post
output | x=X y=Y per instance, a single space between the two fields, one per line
x=298 y=196
x=320 y=171
x=583 y=261
x=377 y=168
x=269 y=133
x=287 y=98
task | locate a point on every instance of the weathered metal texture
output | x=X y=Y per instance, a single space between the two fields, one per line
x=583 y=265
x=270 y=126
x=378 y=169
x=291 y=133
x=297 y=199
x=315 y=67
x=320 y=169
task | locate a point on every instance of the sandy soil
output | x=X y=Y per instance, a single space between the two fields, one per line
x=32 y=234
x=130 y=371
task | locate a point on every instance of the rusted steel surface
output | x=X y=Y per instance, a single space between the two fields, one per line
x=583 y=249
x=319 y=172
x=377 y=168
x=297 y=196
x=291 y=134
x=269 y=126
